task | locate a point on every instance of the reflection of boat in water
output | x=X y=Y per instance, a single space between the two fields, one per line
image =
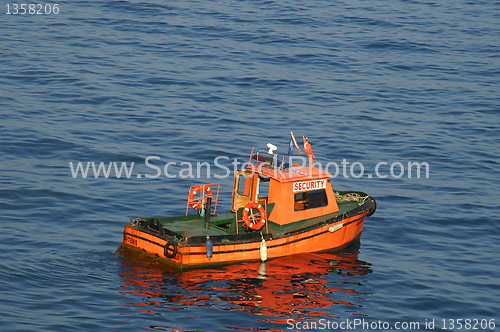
x=301 y=284
x=278 y=209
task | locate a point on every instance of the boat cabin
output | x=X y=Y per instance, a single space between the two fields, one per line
x=288 y=193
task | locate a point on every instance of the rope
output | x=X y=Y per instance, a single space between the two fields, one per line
x=351 y=197
x=201 y=212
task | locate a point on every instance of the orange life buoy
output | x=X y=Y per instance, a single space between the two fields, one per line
x=198 y=204
x=255 y=223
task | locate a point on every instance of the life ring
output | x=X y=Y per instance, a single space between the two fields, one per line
x=198 y=204
x=373 y=208
x=170 y=250
x=253 y=224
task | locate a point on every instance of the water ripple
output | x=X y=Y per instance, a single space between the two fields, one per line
x=366 y=81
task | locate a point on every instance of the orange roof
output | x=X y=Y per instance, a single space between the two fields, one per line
x=291 y=174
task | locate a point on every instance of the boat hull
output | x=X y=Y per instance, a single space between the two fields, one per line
x=334 y=233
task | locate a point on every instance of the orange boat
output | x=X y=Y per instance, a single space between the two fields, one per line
x=278 y=209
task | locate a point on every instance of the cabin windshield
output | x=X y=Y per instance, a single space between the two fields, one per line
x=310 y=199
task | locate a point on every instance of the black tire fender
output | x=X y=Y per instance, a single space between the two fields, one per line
x=373 y=208
x=170 y=250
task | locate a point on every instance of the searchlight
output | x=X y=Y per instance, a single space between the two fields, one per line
x=272 y=148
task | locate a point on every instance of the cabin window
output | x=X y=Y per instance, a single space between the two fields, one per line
x=241 y=185
x=264 y=188
x=310 y=199
x=244 y=185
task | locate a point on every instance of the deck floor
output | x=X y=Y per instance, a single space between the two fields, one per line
x=196 y=227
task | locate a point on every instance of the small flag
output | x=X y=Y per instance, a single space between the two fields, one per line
x=293 y=143
x=290 y=147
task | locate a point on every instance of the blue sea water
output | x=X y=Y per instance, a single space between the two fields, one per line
x=186 y=81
